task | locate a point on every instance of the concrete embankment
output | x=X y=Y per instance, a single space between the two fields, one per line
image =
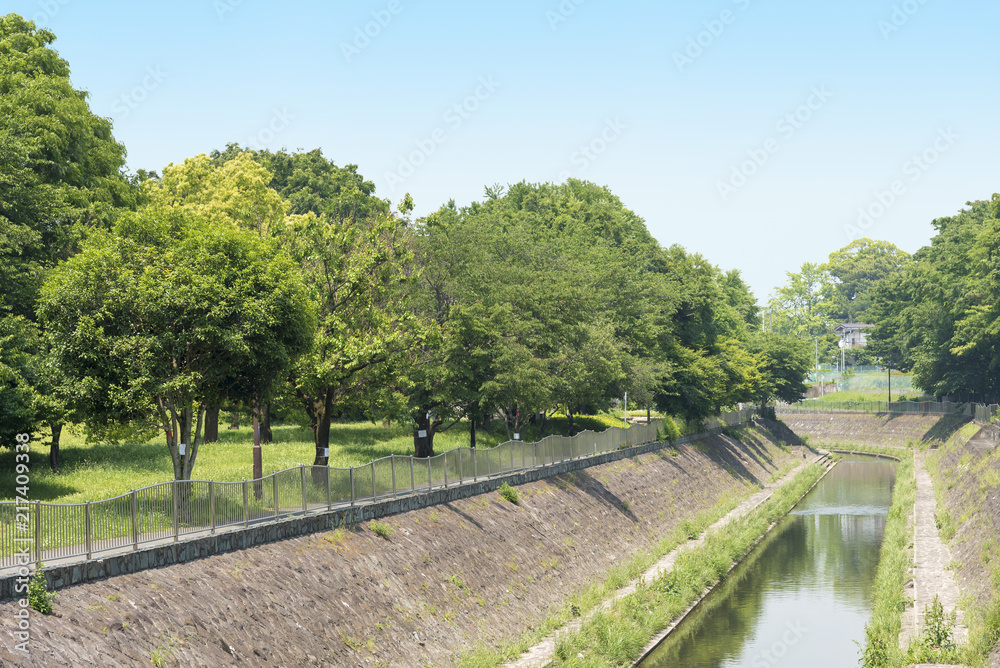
x=967 y=478
x=879 y=430
x=473 y=571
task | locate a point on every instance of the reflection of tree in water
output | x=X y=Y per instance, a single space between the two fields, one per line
x=833 y=553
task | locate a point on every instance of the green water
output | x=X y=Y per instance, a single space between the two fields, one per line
x=804 y=595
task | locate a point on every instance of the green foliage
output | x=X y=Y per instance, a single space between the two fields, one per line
x=166 y=315
x=509 y=493
x=940 y=315
x=39 y=596
x=670 y=431
x=380 y=529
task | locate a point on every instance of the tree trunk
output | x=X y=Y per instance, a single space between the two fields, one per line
x=234 y=420
x=572 y=427
x=265 y=425
x=423 y=435
x=54 y=450
x=649 y=414
x=472 y=433
x=321 y=412
x=212 y=424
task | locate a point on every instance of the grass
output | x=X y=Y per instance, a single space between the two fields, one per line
x=881 y=645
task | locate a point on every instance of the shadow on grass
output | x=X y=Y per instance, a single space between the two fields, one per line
x=945 y=428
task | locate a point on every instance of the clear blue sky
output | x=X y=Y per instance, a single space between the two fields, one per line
x=537 y=81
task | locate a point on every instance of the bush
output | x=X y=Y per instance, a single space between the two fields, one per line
x=380 y=529
x=509 y=493
x=670 y=432
x=39 y=596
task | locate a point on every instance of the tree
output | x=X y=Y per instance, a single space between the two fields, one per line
x=855 y=269
x=938 y=316
x=785 y=363
x=61 y=170
x=356 y=269
x=166 y=315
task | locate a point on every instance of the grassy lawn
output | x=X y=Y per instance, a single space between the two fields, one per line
x=95 y=471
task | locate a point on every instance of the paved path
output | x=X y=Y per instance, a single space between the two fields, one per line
x=542 y=653
x=931 y=558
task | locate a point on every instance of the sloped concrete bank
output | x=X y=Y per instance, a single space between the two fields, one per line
x=469 y=571
x=873 y=429
x=967 y=479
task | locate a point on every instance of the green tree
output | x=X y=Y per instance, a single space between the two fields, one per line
x=164 y=316
x=855 y=269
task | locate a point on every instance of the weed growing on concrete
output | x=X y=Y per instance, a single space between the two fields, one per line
x=39 y=596
x=380 y=529
x=509 y=493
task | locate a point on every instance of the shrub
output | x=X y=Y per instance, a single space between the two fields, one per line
x=380 y=529
x=509 y=493
x=670 y=431
x=39 y=596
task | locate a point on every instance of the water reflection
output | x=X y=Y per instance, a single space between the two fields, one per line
x=805 y=594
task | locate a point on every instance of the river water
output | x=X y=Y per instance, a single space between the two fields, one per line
x=803 y=597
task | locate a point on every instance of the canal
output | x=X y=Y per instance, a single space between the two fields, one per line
x=803 y=597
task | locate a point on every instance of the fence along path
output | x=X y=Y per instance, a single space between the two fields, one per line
x=40 y=531
x=980 y=412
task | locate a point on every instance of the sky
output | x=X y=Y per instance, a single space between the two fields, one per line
x=760 y=134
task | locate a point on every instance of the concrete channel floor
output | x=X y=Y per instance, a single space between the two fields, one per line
x=542 y=653
x=931 y=558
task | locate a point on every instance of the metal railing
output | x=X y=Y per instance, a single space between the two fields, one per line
x=39 y=531
x=980 y=412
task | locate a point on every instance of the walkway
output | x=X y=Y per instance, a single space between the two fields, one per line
x=931 y=558
x=542 y=653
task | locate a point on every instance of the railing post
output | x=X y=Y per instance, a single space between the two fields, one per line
x=246 y=504
x=38 y=531
x=445 y=455
x=135 y=520
x=430 y=475
x=373 y=482
x=460 y=476
x=89 y=548
x=475 y=464
x=305 y=502
x=329 y=489
x=274 y=486
x=489 y=466
x=211 y=505
x=413 y=480
x=392 y=465
x=352 y=486
x=176 y=522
